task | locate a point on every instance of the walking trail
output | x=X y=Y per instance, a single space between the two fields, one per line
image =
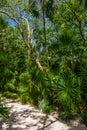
x=27 y=117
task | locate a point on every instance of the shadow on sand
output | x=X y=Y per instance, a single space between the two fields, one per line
x=17 y=121
x=26 y=117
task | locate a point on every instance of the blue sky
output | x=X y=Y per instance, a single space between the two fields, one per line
x=11 y=22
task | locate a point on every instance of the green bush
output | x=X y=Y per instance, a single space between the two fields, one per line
x=3 y=111
x=9 y=94
x=67 y=116
x=84 y=117
x=24 y=98
x=44 y=106
x=25 y=78
x=67 y=90
x=24 y=87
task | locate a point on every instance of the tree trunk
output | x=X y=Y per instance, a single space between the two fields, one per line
x=44 y=30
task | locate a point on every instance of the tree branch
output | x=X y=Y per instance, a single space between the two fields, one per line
x=21 y=32
x=79 y=21
x=38 y=63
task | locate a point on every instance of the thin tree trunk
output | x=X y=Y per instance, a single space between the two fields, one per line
x=28 y=40
x=44 y=30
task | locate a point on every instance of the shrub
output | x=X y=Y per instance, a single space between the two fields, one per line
x=44 y=105
x=67 y=90
x=84 y=117
x=3 y=111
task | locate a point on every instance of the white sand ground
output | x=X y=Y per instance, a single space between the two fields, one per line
x=26 y=117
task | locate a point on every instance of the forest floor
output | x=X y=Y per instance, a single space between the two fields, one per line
x=27 y=117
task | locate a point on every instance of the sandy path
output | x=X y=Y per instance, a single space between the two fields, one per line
x=26 y=117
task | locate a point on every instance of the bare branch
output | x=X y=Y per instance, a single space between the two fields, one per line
x=20 y=29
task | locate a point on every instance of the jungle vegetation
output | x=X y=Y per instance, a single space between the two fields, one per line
x=43 y=54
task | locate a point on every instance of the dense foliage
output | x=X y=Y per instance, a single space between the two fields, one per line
x=43 y=53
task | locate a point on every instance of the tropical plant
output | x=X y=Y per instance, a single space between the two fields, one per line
x=3 y=111
x=67 y=91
